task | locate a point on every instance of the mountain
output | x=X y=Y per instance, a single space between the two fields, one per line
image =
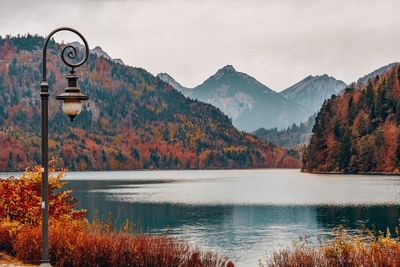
x=247 y=102
x=359 y=131
x=313 y=90
x=100 y=53
x=97 y=50
x=291 y=137
x=132 y=121
x=378 y=72
x=165 y=77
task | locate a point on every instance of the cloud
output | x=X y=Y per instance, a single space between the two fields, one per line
x=278 y=42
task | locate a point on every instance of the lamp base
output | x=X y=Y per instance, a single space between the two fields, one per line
x=45 y=264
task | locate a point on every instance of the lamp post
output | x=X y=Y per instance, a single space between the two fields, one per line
x=72 y=105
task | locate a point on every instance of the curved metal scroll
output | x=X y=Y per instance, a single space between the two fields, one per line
x=71 y=54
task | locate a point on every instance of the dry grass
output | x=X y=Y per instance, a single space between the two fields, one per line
x=77 y=243
x=364 y=249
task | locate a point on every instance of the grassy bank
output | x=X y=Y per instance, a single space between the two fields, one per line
x=364 y=249
x=75 y=243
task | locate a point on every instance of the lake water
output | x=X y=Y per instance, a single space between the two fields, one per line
x=242 y=214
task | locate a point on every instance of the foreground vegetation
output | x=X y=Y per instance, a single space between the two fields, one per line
x=76 y=242
x=364 y=249
x=73 y=240
x=81 y=244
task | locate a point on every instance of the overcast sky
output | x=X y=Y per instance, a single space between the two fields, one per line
x=279 y=42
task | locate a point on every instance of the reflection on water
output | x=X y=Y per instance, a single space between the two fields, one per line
x=240 y=214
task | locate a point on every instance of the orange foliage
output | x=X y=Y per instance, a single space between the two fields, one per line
x=203 y=157
x=77 y=244
x=21 y=197
x=390 y=144
x=365 y=140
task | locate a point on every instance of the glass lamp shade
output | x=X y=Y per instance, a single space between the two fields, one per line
x=72 y=97
x=72 y=107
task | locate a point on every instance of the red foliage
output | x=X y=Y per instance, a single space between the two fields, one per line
x=390 y=134
x=74 y=244
x=21 y=198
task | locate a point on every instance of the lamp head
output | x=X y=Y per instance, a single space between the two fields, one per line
x=72 y=97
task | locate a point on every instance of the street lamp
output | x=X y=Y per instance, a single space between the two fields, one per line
x=72 y=105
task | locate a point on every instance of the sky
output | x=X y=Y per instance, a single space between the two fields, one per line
x=279 y=42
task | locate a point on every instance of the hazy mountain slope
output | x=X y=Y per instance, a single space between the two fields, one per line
x=359 y=131
x=295 y=135
x=132 y=121
x=373 y=74
x=249 y=103
x=313 y=90
x=165 y=77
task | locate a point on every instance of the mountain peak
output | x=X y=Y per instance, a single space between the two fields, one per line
x=229 y=68
x=325 y=77
x=247 y=102
x=226 y=69
x=100 y=52
x=97 y=50
x=313 y=90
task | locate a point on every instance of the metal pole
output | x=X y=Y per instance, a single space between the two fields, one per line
x=44 y=94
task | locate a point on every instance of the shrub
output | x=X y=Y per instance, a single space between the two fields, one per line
x=8 y=231
x=21 y=197
x=5 y=240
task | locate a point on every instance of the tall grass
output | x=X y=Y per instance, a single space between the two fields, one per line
x=344 y=249
x=74 y=243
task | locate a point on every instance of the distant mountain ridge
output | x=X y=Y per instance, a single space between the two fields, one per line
x=249 y=103
x=314 y=90
x=302 y=99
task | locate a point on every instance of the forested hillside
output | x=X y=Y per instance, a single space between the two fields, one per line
x=358 y=132
x=132 y=121
x=290 y=137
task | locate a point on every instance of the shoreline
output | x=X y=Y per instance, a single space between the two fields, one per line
x=352 y=173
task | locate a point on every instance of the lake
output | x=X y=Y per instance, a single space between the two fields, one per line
x=242 y=214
